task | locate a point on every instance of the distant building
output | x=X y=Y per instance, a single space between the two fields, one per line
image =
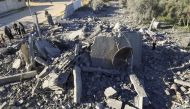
x=8 y=5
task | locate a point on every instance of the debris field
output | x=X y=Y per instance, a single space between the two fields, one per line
x=95 y=60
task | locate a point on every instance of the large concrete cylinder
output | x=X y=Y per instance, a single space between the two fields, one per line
x=110 y=52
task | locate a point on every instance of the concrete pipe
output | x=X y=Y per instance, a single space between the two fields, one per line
x=121 y=56
x=110 y=52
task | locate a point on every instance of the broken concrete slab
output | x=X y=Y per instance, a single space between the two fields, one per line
x=52 y=52
x=63 y=77
x=40 y=49
x=44 y=72
x=113 y=103
x=97 y=31
x=79 y=34
x=3 y=105
x=117 y=27
x=77 y=84
x=46 y=49
x=17 y=77
x=16 y=63
x=99 y=106
x=183 y=39
x=139 y=89
x=183 y=89
x=58 y=92
x=129 y=107
x=41 y=61
x=174 y=87
x=31 y=48
x=51 y=82
x=109 y=92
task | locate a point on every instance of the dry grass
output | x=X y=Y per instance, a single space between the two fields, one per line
x=171 y=10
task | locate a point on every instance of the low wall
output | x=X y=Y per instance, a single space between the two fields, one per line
x=71 y=8
x=9 y=5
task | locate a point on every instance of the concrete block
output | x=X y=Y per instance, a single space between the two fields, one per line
x=41 y=61
x=52 y=52
x=46 y=49
x=16 y=63
x=99 y=106
x=113 y=103
x=51 y=82
x=109 y=92
x=129 y=107
x=44 y=72
x=79 y=34
x=17 y=77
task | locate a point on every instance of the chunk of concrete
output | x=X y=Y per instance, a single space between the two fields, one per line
x=25 y=53
x=51 y=82
x=44 y=72
x=117 y=27
x=113 y=103
x=16 y=63
x=77 y=84
x=41 y=61
x=129 y=107
x=3 y=105
x=40 y=48
x=52 y=51
x=79 y=34
x=17 y=77
x=109 y=92
x=183 y=89
x=46 y=49
x=99 y=106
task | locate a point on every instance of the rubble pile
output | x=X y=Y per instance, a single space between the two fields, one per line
x=162 y=67
x=56 y=70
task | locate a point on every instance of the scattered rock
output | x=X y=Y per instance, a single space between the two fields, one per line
x=109 y=92
x=174 y=87
x=16 y=63
x=129 y=107
x=113 y=103
x=167 y=92
x=99 y=106
x=51 y=82
x=79 y=34
x=58 y=92
x=183 y=89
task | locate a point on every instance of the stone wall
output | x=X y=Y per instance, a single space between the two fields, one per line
x=8 y=5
